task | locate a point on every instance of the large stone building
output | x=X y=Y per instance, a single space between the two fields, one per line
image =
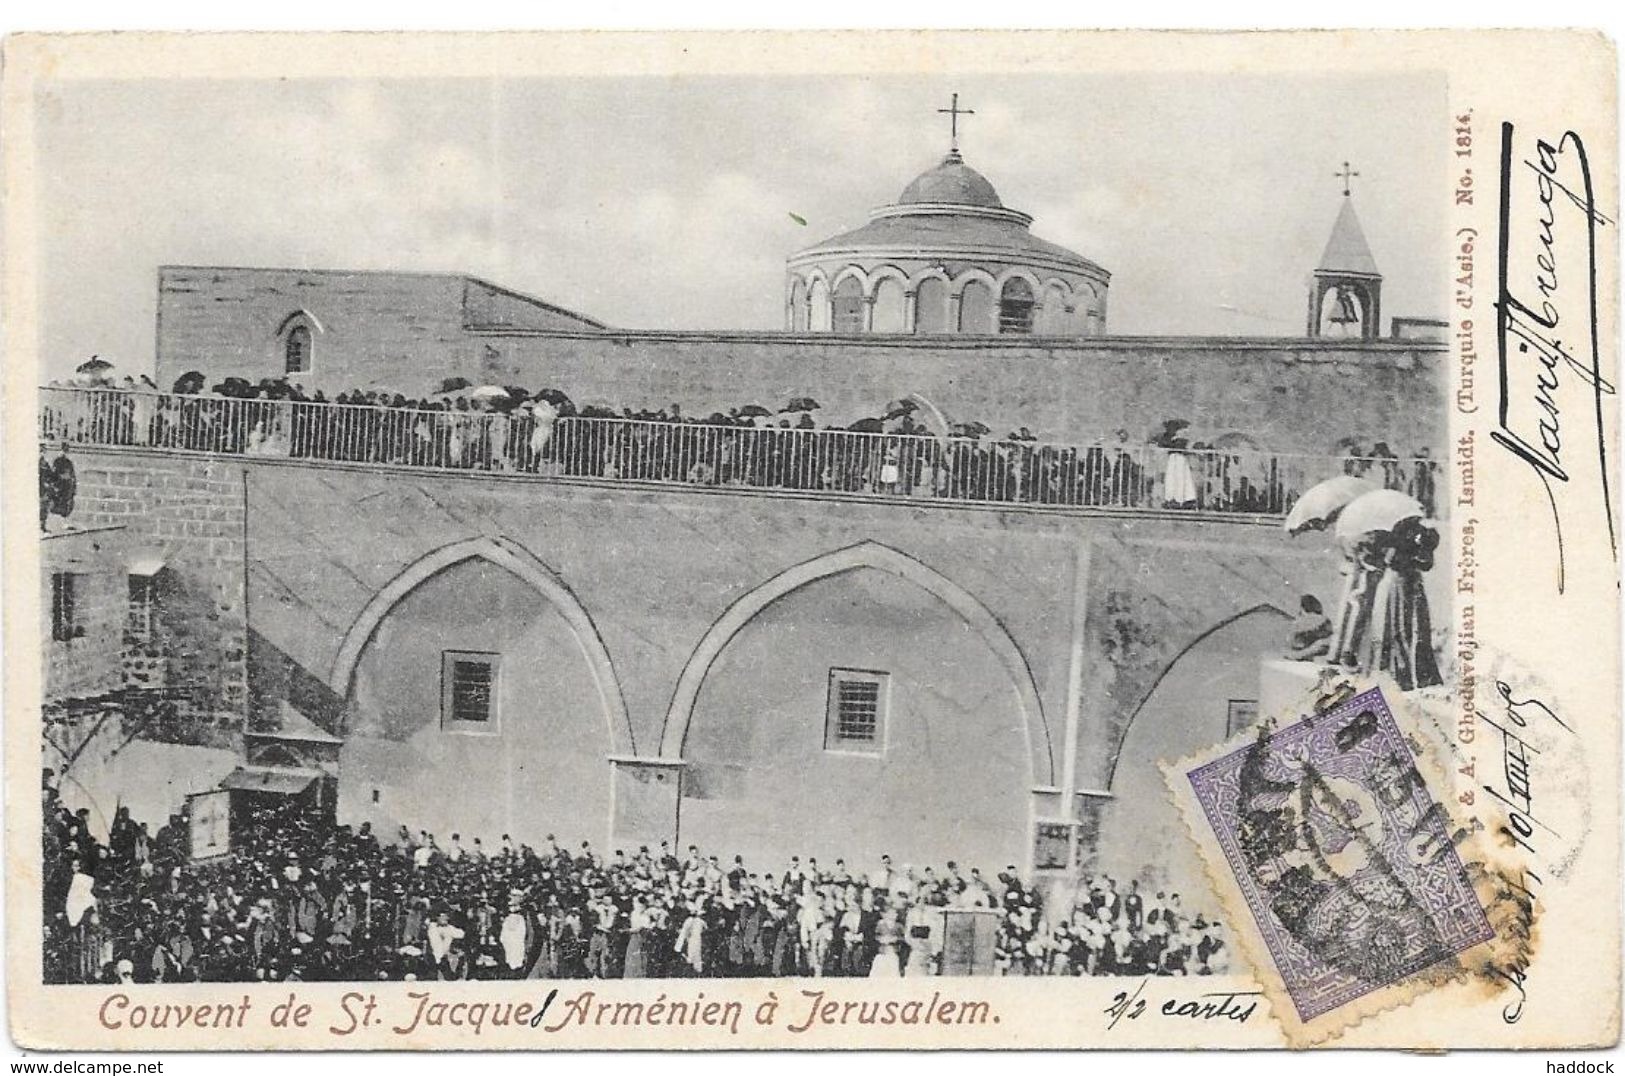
x=880 y=651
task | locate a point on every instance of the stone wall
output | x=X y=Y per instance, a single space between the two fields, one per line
x=89 y=663
x=340 y=560
x=366 y=327
x=189 y=513
x=228 y=322
x=407 y=333
x=1288 y=396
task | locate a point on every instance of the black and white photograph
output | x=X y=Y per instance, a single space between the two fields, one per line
x=560 y=528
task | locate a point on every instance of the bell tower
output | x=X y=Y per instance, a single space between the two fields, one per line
x=1345 y=292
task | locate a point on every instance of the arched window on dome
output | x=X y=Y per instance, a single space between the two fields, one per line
x=1051 y=318
x=888 y=315
x=1086 y=312
x=296 y=347
x=798 y=306
x=848 y=313
x=976 y=308
x=1016 y=304
x=818 y=307
x=931 y=306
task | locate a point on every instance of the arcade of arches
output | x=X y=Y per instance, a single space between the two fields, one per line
x=930 y=303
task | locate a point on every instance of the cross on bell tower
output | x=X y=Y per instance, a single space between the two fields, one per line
x=953 y=112
x=1345 y=290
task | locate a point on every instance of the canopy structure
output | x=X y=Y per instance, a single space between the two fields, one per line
x=277 y=781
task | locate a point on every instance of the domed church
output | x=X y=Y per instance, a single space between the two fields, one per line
x=947 y=257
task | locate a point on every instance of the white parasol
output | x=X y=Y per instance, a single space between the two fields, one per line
x=1323 y=502
x=1378 y=510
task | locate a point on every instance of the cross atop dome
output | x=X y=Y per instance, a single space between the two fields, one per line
x=953 y=112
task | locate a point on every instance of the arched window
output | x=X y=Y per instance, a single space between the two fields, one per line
x=798 y=306
x=1016 y=307
x=848 y=316
x=976 y=308
x=818 y=307
x=1342 y=310
x=1050 y=319
x=1086 y=312
x=888 y=312
x=931 y=306
x=296 y=349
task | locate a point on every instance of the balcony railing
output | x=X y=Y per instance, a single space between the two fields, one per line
x=842 y=463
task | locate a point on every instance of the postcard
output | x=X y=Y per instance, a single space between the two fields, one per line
x=735 y=541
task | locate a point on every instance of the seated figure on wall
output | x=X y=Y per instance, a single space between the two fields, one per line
x=1311 y=635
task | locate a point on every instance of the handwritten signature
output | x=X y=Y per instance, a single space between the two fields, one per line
x=1547 y=345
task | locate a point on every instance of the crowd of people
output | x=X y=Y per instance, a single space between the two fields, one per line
x=903 y=450
x=302 y=898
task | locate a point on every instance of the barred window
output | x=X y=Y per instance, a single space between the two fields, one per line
x=297 y=350
x=1016 y=307
x=468 y=691
x=140 y=618
x=856 y=720
x=64 y=607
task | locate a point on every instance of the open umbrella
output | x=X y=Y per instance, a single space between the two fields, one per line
x=868 y=425
x=1321 y=503
x=188 y=383
x=1378 y=510
x=803 y=403
x=489 y=392
x=560 y=401
x=1235 y=439
x=754 y=411
x=239 y=387
x=95 y=366
x=454 y=384
x=899 y=408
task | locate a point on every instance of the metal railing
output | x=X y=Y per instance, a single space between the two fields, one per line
x=1103 y=474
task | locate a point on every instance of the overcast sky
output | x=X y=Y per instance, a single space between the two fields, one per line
x=667 y=202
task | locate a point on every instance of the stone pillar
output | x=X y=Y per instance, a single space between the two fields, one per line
x=645 y=794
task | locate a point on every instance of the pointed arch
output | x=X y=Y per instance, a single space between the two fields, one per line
x=517 y=560
x=1265 y=608
x=674 y=731
x=296 y=338
x=300 y=315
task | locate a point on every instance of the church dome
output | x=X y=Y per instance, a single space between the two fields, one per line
x=951 y=182
x=947 y=257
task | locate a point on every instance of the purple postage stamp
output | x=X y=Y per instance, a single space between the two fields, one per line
x=1341 y=854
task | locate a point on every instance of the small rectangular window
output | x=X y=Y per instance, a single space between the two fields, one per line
x=64 y=608
x=856 y=720
x=468 y=691
x=1240 y=714
x=140 y=619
